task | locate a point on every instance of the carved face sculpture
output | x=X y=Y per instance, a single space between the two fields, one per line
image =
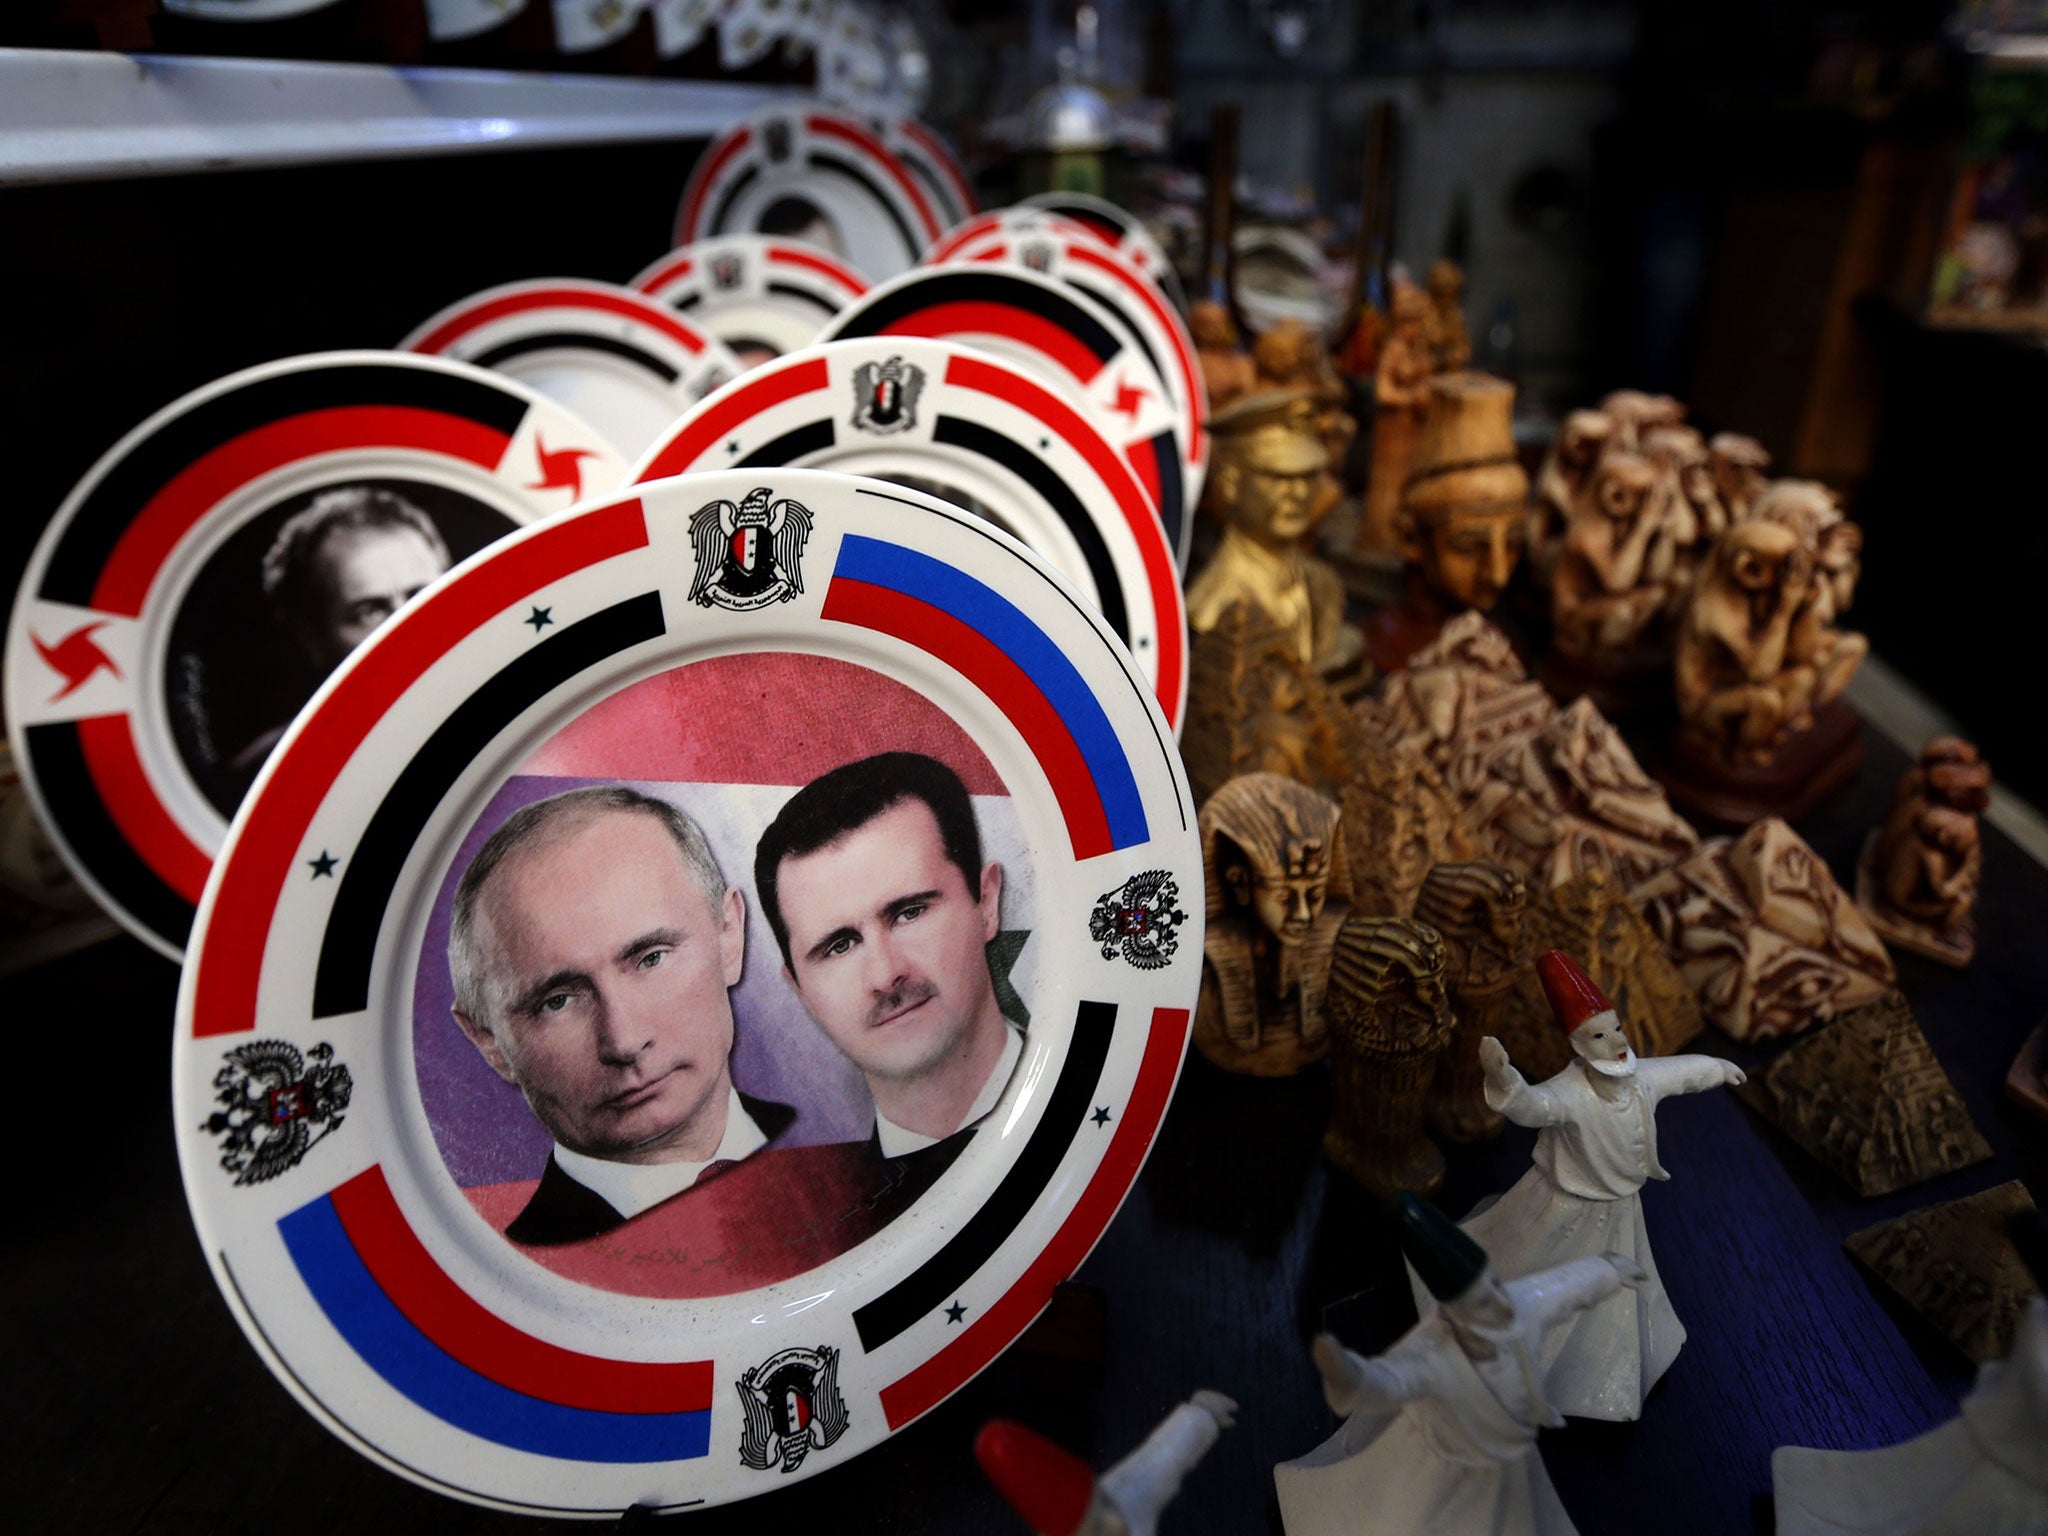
x=1622 y=488
x=1478 y=908
x=1757 y=559
x=1469 y=556
x=1286 y=895
x=1737 y=464
x=1585 y=433
x=1267 y=480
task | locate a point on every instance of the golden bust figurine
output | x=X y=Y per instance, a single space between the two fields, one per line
x=1266 y=470
x=1278 y=888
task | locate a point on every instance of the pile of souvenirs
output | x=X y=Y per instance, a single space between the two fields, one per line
x=1475 y=901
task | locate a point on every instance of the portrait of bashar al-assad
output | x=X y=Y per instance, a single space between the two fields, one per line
x=591 y=946
x=873 y=882
x=287 y=599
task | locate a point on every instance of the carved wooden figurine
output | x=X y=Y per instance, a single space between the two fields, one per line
x=1405 y=366
x=1291 y=356
x=1566 y=477
x=1463 y=517
x=1266 y=473
x=1478 y=908
x=1254 y=706
x=1227 y=371
x=1389 y=1020
x=1740 y=470
x=1767 y=940
x=1278 y=890
x=1917 y=880
x=1614 y=574
x=1450 y=342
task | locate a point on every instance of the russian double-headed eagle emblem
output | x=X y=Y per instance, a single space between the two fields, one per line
x=885 y=396
x=792 y=1406
x=274 y=1105
x=1140 y=919
x=751 y=555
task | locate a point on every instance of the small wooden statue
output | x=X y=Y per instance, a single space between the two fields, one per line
x=1740 y=469
x=1463 y=517
x=1405 y=366
x=1450 y=343
x=1390 y=1019
x=1917 y=880
x=1291 y=356
x=1767 y=940
x=1278 y=890
x=1565 y=478
x=1267 y=477
x=1478 y=908
x=1227 y=371
x=1254 y=706
x=1614 y=574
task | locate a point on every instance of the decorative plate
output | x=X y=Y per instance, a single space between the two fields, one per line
x=761 y=297
x=973 y=430
x=492 y=922
x=1118 y=227
x=804 y=171
x=615 y=357
x=1064 y=337
x=193 y=590
x=936 y=167
x=1064 y=249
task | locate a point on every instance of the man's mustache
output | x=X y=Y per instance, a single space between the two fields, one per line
x=909 y=995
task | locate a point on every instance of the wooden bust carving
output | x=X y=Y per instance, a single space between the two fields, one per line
x=1266 y=476
x=1918 y=877
x=1566 y=477
x=1613 y=576
x=1390 y=1018
x=1278 y=889
x=1479 y=910
x=1450 y=343
x=1464 y=514
x=1227 y=371
x=1405 y=366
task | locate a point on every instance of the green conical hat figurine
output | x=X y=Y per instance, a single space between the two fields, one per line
x=1448 y=1261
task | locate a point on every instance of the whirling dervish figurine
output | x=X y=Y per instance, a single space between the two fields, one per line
x=1058 y=1494
x=1596 y=1147
x=1439 y=1434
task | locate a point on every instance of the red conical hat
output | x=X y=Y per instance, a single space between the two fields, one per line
x=1573 y=997
x=1048 y=1485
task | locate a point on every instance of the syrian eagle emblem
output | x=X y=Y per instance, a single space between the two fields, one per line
x=885 y=396
x=275 y=1104
x=792 y=1405
x=749 y=555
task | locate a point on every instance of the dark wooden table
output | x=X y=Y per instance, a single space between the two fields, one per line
x=132 y=1404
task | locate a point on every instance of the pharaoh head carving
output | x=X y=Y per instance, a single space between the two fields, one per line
x=1478 y=908
x=1387 y=993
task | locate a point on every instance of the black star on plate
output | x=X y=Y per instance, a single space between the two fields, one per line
x=324 y=865
x=1101 y=1115
x=540 y=618
x=1044 y=443
x=732 y=447
x=955 y=1312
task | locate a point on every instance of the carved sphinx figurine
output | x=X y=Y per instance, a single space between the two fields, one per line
x=1267 y=473
x=1227 y=371
x=1278 y=890
x=1566 y=477
x=1390 y=1018
x=1917 y=880
x=1613 y=576
x=1450 y=343
x=1478 y=908
x=1405 y=366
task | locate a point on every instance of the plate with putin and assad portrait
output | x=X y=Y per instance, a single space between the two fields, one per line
x=204 y=577
x=681 y=997
x=972 y=430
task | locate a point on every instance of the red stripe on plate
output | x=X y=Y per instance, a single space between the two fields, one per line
x=203 y=484
x=108 y=745
x=1007 y=685
x=818 y=261
x=876 y=150
x=977 y=317
x=942 y=157
x=487 y=1344
x=626 y=304
x=962 y=234
x=1000 y=1323
x=1140 y=509
x=701 y=181
x=665 y=274
x=762 y=390
x=1147 y=293
x=225 y=976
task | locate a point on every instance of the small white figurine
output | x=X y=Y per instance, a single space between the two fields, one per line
x=1596 y=1146
x=1439 y=1435
x=1984 y=1473
x=1058 y=1494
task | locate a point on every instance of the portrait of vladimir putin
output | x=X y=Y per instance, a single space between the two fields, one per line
x=873 y=882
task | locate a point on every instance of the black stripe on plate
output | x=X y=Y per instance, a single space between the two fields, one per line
x=688 y=300
x=81 y=815
x=978 y=285
x=873 y=188
x=1173 y=490
x=941 y=1276
x=798 y=442
x=342 y=981
x=98 y=521
x=719 y=209
x=1119 y=306
x=804 y=295
x=577 y=341
x=987 y=443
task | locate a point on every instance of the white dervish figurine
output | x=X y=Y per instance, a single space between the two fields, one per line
x=1984 y=1473
x=1439 y=1435
x=1058 y=1494
x=1595 y=1147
